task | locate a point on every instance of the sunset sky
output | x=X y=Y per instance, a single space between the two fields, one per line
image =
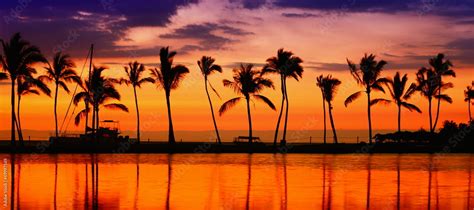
x=322 y=32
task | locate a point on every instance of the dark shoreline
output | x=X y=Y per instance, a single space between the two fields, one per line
x=44 y=147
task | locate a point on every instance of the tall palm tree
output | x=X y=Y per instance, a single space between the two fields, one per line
x=17 y=55
x=368 y=76
x=428 y=86
x=98 y=91
x=207 y=66
x=442 y=68
x=320 y=84
x=469 y=94
x=135 y=78
x=287 y=65
x=401 y=93
x=169 y=77
x=330 y=88
x=60 y=72
x=248 y=83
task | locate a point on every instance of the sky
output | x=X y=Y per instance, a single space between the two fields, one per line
x=323 y=33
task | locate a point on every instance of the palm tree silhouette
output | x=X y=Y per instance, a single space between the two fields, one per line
x=286 y=65
x=207 y=66
x=400 y=94
x=329 y=88
x=441 y=68
x=18 y=54
x=469 y=94
x=248 y=83
x=60 y=72
x=135 y=78
x=367 y=75
x=169 y=77
x=98 y=91
x=319 y=83
x=428 y=85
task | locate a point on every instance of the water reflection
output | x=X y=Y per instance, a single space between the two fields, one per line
x=238 y=181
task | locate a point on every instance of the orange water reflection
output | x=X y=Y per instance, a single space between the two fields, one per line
x=237 y=181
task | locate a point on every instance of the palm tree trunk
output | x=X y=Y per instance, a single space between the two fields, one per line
x=250 y=119
x=13 y=112
x=18 y=120
x=399 y=121
x=55 y=110
x=87 y=117
x=324 y=116
x=437 y=111
x=469 y=109
x=93 y=119
x=212 y=112
x=138 y=114
x=332 y=123
x=281 y=112
x=286 y=113
x=171 y=138
x=431 y=117
x=369 y=116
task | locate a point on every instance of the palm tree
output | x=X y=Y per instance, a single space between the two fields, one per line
x=207 y=66
x=400 y=94
x=98 y=91
x=248 y=83
x=135 y=78
x=441 y=68
x=469 y=94
x=330 y=86
x=60 y=72
x=319 y=83
x=169 y=77
x=28 y=86
x=428 y=85
x=17 y=55
x=286 y=65
x=368 y=76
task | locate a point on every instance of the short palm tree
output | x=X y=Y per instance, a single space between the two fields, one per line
x=469 y=95
x=98 y=91
x=442 y=68
x=207 y=66
x=428 y=86
x=135 y=78
x=247 y=83
x=17 y=55
x=330 y=86
x=60 y=72
x=287 y=65
x=168 y=77
x=320 y=84
x=368 y=76
x=400 y=93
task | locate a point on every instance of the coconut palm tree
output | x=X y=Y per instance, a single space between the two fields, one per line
x=207 y=66
x=320 y=84
x=60 y=72
x=287 y=65
x=368 y=76
x=401 y=93
x=442 y=68
x=17 y=55
x=427 y=85
x=330 y=86
x=135 y=78
x=247 y=83
x=98 y=91
x=469 y=94
x=168 y=77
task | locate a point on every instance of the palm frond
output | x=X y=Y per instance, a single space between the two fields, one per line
x=444 y=97
x=228 y=105
x=352 y=98
x=411 y=107
x=265 y=100
x=116 y=106
x=379 y=101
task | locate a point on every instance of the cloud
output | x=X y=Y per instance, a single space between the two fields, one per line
x=463 y=50
x=300 y=15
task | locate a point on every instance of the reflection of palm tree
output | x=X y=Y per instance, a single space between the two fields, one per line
x=169 y=77
x=12 y=179
x=248 y=83
x=287 y=66
x=398 y=181
x=17 y=55
x=324 y=182
x=441 y=68
x=368 y=75
x=400 y=94
x=60 y=72
x=249 y=181
x=329 y=88
x=207 y=66
x=170 y=175
x=469 y=95
x=55 y=181
x=369 y=179
x=428 y=86
x=320 y=84
x=134 y=77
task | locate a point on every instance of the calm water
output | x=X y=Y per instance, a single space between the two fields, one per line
x=238 y=181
